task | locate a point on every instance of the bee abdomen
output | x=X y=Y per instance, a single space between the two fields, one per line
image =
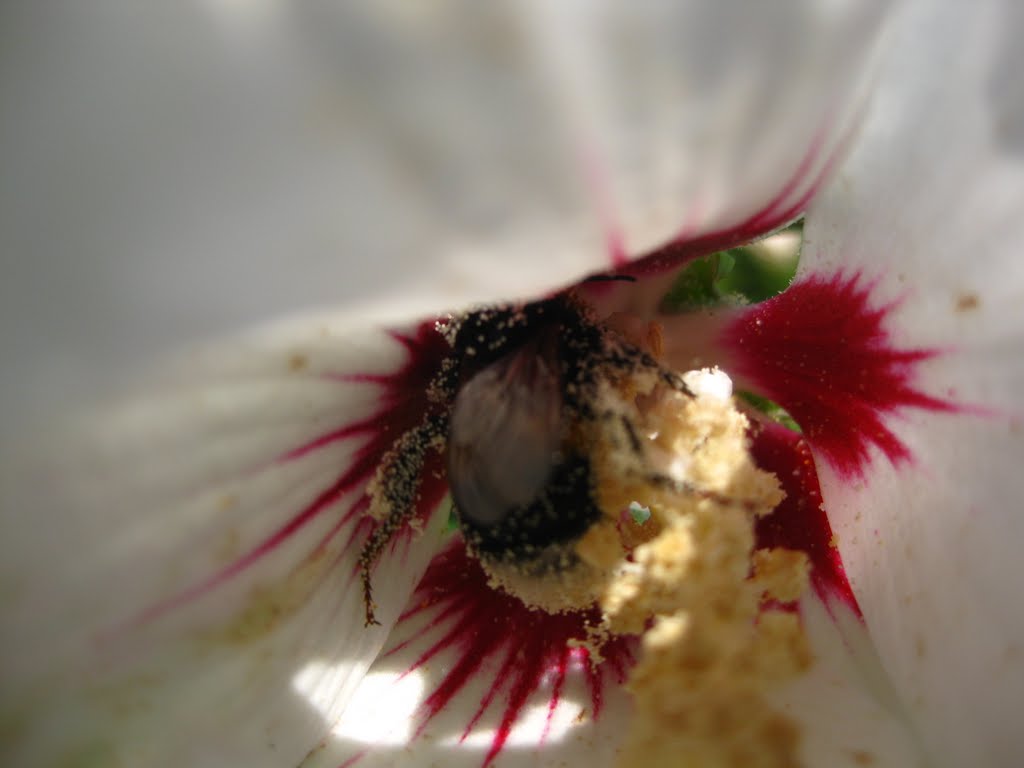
x=559 y=514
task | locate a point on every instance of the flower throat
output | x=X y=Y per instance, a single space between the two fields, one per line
x=554 y=426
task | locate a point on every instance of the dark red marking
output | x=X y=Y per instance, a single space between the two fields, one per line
x=799 y=522
x=779 y=211
x=354 y=759
x=679 y=252
x=558 y=676
x=485 y=627
x=403 y=403
x=822 y=350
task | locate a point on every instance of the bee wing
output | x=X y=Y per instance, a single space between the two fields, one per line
x=505 y=436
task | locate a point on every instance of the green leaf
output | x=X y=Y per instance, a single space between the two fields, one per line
x=744 y=275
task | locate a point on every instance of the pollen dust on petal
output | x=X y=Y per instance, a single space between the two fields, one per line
x=716 y=633
x=965 y=302
x=269 y=605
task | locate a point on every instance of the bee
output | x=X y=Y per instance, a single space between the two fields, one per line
x=518 y=385
x=519 y=479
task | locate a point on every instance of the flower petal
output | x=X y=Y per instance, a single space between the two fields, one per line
x=706 y=124
x=847 y=713
x=926 y=216
x=173 y=564
x=175 y=173
x=470 y=676
x=847 y=710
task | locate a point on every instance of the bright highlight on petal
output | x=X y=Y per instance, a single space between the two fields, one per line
x=501 y=684
x=380 y=714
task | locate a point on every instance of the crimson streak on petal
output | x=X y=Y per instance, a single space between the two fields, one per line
x=403 y=404
x=789 y=202
x=822 y=350
x=489 y=632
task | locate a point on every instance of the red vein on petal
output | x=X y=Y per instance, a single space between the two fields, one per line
x=678 y=253
x=436 y=621
x=774 y=215
x=824 y=173
x=354 y=759
x=460 y=672
x=560 y=674
x=513 y=702
x=770 y=213
x=823 y=350
x=308 y=513
x=491 y=633
x=594 y=687
x=355 y=511
x=402 y=406
x=760 y=223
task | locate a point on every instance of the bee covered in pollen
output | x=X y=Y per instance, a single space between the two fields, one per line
x=553 y=426
x=517 y=410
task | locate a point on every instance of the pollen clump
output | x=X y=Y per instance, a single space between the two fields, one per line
x=601 y=546
x=568 y=585
x=781 y=573
x=696 y=590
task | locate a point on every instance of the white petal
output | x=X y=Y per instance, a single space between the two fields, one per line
x=700 y=118
x=172 y=172
x=847 y=714
x=169 y=567
x=929 y=212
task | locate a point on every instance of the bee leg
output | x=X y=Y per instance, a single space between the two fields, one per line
x=624 y=358
x=394 y=496
x=375 y=544
x=674 y=381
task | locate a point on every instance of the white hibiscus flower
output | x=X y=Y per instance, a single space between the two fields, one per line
x=183 y=484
